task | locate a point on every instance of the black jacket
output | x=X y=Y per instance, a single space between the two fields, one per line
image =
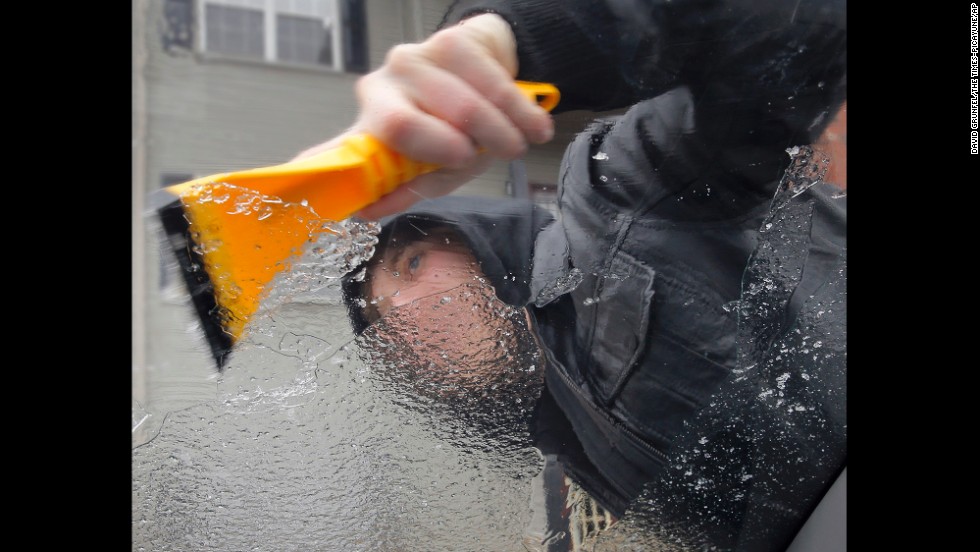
x=719 y=415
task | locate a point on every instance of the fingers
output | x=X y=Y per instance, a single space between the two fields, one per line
x=446 y=99
x=394 y=117
x=439 y=118
x=450 y=100
x=475 y=63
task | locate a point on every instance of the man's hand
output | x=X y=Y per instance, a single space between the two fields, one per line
x=449 y=100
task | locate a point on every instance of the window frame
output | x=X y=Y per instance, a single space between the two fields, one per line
x=270 y=11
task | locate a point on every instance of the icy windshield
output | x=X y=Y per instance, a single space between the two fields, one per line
x=622 y=331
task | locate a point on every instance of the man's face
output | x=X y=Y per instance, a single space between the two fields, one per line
x=423 y=267
x=438 y=323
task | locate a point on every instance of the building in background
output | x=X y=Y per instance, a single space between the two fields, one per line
x=222 y=85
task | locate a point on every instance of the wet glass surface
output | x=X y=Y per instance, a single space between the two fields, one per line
x=412 y=435
x=433 y=428
x=349 y=455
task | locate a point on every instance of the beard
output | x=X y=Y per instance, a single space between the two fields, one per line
x=463 y=346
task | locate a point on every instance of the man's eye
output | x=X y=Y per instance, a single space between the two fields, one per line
x=414 y=263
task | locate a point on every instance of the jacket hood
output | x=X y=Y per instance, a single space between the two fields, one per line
x=500 y=232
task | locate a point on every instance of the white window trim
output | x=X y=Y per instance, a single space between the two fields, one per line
x=269 y=20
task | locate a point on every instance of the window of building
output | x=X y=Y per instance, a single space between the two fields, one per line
x=324 y=33
x=178 y=28
x=234 y=30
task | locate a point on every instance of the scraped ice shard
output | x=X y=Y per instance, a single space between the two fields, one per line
x=559 y=286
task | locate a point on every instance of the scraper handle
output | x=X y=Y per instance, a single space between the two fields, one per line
x=386 y=169
x=341 y=180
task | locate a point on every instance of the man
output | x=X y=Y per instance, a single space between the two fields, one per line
x=438 y=307
x=426 y=301
x=699 y=257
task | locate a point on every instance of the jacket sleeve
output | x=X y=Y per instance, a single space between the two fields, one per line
x=613 y=53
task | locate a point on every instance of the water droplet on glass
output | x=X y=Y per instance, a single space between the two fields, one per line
x=781 y=380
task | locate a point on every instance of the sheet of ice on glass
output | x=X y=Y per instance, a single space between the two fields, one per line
x=772 y=439
x=315 y=440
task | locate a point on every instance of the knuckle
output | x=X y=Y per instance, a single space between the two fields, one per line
x=446 y=40
x=401 y=57
x=467 y=113
x=364 y=84
x=504 y=96
x=396 y=129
